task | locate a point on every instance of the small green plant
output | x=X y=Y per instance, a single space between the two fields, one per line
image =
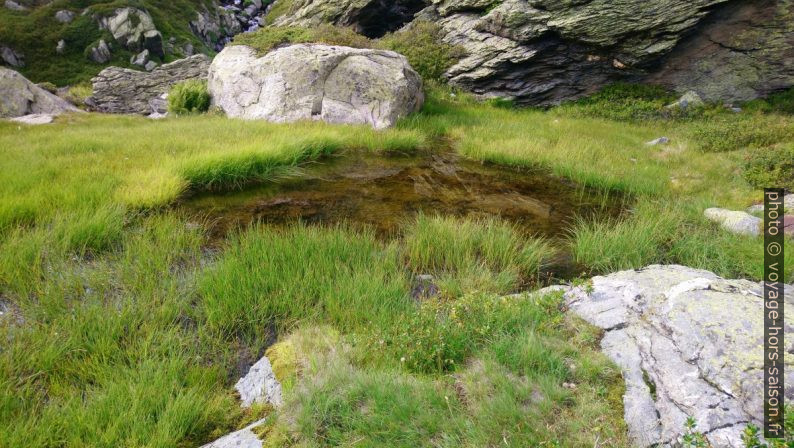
x=693 y=438
x=771 y=167
x=421 y=43
x=189 y=97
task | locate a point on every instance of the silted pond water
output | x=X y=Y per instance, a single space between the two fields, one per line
x=383 y=191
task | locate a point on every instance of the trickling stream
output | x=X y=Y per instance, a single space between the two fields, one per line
x=384 y=191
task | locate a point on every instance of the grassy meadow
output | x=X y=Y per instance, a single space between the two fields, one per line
x=122 y=327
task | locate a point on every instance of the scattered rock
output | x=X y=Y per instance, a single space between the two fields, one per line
x=244 y=438
x=14 y=6
x=151 y=65
x=425 y=287
x=64 y=16
x=216 y=27
x=156 y=116
x=34 y=119
x=11 y=57
x=658 y=141
x=689 y=99
x=19 y=97
x=320 y=82
x=134 y=30
x=687 y=343
x=100 y=53
x=125 y=91
x=61 y=47
x=788 y=205
x=259 y=385
x=140 y=59
x=737 y=222
x=159 y=105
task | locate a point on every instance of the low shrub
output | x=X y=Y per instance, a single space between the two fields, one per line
x=189 y=97
x=770 y=167
x=730 y=132
x=781 y=102
x=421 y=43
x=623 y=102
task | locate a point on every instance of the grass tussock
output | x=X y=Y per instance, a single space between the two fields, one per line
x=467 y=255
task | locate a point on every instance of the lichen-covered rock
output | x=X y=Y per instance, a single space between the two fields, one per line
x=259 y=385
x=315 y=82
x=215 y=26
x=121 y=90
x=64 y=16
x=20 y=97
x=740 y=223
x=244 y=438
x=688 y=343
x=542 y=52
x=743 y=51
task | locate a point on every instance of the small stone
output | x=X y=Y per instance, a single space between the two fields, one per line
x=140 y=59
x=34 y=119
x=101 y=53
x=11 y=57
x=740 y=223
x=424 y=287
x=61 y=47
x=689 y=99
x=151 y=65
x=64 y=16
x=14 y=6
x=658 y=141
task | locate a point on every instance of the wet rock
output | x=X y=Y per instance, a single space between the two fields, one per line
x=64 y=16
x=14 y=6
x=244 y=438
x=34 y=119
x=319 y=82
x=259 y=385
x=689 y=99
x=100 y=53
x=691 y=336
x=737 y=222
x=121 y=90
x=19 y=97
x=12 y=57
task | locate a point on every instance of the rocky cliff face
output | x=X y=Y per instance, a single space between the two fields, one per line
x=541 y=52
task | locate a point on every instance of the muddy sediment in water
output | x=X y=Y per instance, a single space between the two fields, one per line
x=384 y=191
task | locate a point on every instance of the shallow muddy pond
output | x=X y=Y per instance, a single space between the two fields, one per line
x=383 y=191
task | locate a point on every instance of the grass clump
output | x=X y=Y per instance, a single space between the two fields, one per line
x=470 y=254
x=271 y=37
x=189 y=97
x=304 y=273
x=422 y=44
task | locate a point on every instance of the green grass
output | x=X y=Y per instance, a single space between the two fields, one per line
x=125 y=330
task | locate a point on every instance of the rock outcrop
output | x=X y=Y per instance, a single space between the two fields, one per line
x=121 y=90
x=372 y=18
x=20 y=97
x=688 y=343
x=740 y=223
x=541 y=52
x=315 y=82
x=134 y=29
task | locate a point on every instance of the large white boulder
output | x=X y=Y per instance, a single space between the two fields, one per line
x=315 y=82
